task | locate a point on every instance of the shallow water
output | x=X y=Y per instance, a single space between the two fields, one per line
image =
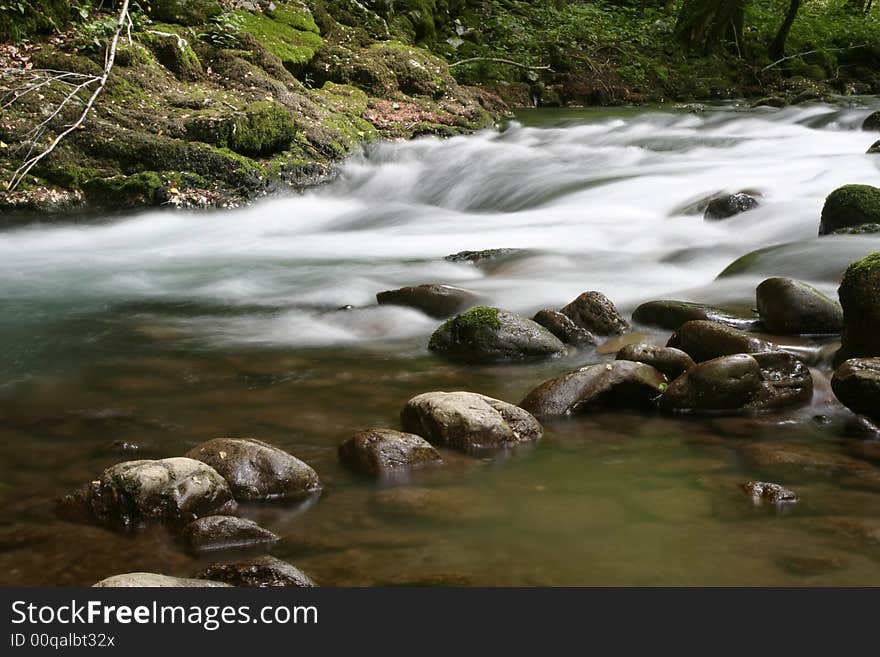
x=166 y=329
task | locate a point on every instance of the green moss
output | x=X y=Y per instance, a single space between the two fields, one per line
x=184 y=12
x=293 y=46
x=261 y=128
x=174 y=52
x=850 y=205
x=137 y=189
x=478 y=318
x=865 y=265
x=295 y=15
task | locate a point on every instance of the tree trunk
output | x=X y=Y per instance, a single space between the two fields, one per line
x=707 y=25
x=777 y=47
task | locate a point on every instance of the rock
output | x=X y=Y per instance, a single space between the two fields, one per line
x=872 y=123
x=875 y=148
x=256 y=470
x=861 y=229
x=730 y=205
x=261 y=572
x=798 y=461
x=136 y=492
x=761 y=491
x=225 y=532
x=704 y=340
x=728 y=383
x=856 y=383
x=477 y=257
x=672 y=314
x=440 y=301
x=671 y=362
x=740 y=383
x=468 y=421
x=859 y=294
x=618 y=384
x=790 y=307
x=154 y=580
x=787 y=381
x=771 y=101
x=596 y=313
x=185 y=12
x=490 y=335
x=383 y=452
x=564 y=328
x=848 y=206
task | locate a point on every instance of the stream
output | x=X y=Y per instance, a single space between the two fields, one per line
x=164 y=329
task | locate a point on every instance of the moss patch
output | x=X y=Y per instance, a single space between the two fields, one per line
x=848 y=206
x=294 y=46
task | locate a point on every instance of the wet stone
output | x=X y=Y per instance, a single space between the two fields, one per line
x=380 y=452
x=761 y=491
x=155 y=580
x=224 y=533
x=671 y=362
x=564 y=328
x=262 y=572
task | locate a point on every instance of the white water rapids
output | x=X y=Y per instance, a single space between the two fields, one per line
x=597 y=200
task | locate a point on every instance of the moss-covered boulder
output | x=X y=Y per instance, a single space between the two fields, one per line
x=490 y=335
x=174 y=52
x=289 y=32
x=848 y=206
x=872 y=123
x=184 y=12
x=261 y=128
x=859 y=294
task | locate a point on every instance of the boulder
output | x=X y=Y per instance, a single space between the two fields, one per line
x=727 y=206
x=703 y=340
x=856 y=383
x=671 y=362
x=740 y=383
x=728 y=383
x=383 y=452
x=224 y=533
x=261 y=572
x=468 y=421
x=596 y=313
x=761 y=491
x=874 y=148
x=791 y=307
x=672 y=314
x=154 y=580
x=256 y=470
x=137 y=492
x=185 y=12
x=564 y=328
x=618 y=384
x=849 y=206
x=439 y=301
x=859 y=294
x=490 y=335
x=872 y=123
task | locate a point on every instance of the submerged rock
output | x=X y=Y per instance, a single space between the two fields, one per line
x=256 y=470
x=468 y=421
x=761 y=491
x=727 y=206
x=860 y=297
x=135 y=492
x=704 y=340
x=384 y=451
x=262 y=572
x=791 y=307
x=848 y=206
x=671 y=362
x=440 y=301
x=596 y=313
x=155 y=580
x=564 y=328
x=224 y=533
x=477 y=257
x=490 y=335
x=787 y=381
x=856 y=383
x=672 y=314
x=618 y=384
x=798 y=461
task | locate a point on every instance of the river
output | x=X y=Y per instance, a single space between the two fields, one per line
x=165 y=329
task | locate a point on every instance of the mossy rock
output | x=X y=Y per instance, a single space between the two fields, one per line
x=48 y=15
x=860 y=297
x=850 y=205
x=292 y=37
x=416 y=71
x=174 y=53
x=184 y=12
x=50 y=57
x=260 y=128
x=124 y=191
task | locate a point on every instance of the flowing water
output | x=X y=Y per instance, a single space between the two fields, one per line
x=166 y=329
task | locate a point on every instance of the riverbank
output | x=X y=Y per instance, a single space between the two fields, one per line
x=221 y=102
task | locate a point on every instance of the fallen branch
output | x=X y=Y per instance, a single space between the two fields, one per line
x=109 y=60
x=810 y=52
x=501 y=60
